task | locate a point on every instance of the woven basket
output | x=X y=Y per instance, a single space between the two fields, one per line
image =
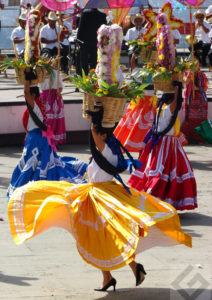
x=113 y=107
x=149 y=56
x=163 y=85
x=20 y=76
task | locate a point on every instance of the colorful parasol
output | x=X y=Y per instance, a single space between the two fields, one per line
x=191 y=2
x=58 y=4
x=110 y=4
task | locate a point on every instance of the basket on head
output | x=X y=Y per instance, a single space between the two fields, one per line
x=113 y=107
x=20 y=76
x=164 y=85
x=149 y=55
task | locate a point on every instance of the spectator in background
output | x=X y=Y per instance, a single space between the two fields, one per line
x=135 y=32
x=202 y=29
x=18 y=35
x=48 y=36
x=138 y=30
x=90 y=21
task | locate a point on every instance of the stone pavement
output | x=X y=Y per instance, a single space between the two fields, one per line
x=49 y=266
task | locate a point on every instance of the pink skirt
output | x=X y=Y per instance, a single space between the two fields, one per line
x=54 y=110
x=167 y=174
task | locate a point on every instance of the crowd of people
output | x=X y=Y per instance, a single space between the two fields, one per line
x=86 y=36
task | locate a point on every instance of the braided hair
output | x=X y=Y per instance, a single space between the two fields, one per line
x=34 y=90
x=153 y=133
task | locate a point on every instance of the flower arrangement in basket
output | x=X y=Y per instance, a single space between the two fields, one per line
x=41 y=68
x=162 y=77
x=185 y=64
x=113 y=96
x=145 y=49
x=32 y=59
x=159 y=75
x=103 y=83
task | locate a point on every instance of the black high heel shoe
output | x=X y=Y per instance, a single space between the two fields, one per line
x=140 y=274
x=112 y=282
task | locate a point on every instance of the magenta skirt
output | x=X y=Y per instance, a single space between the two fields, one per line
x=54 y=110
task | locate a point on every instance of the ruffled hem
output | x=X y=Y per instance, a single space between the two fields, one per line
x=104 y=220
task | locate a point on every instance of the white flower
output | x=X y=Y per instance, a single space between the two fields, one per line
x=103 y=58
x=102 y=69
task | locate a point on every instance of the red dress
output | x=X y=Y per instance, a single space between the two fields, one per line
x=136 y=122
x=195 y=110
x=166 y=172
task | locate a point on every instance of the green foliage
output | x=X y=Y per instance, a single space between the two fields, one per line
x=44 y=64
x=89 y=84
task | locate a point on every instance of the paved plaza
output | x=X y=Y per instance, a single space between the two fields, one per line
x=49 y=267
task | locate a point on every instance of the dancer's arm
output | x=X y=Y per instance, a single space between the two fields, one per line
x=27 y=94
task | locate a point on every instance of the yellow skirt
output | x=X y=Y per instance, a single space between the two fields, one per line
x=104 y=219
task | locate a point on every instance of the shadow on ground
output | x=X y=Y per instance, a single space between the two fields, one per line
x=78 y=149
x=201 y=165
x=157 y=293
x=12 y=152
x=192 y=219
x=16 y=280
x=4 y=182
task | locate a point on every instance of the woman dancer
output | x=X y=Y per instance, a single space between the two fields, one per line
x=52 y=101
x=166 y=172
x=106 y=218
x=39 y=160
x=195 y=108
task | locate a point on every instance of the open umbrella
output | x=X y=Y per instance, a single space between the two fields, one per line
x=119 y=8
x=191 y=2
x=110 y=4
x=58 y=4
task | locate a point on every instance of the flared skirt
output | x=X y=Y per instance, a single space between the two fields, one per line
x=106 y=222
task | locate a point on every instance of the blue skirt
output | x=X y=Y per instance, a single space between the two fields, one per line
x=40 y=162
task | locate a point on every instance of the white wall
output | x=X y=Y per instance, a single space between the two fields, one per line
x=11 y=118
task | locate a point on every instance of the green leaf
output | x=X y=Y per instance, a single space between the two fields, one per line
x=83 y=75
x=105 y=84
